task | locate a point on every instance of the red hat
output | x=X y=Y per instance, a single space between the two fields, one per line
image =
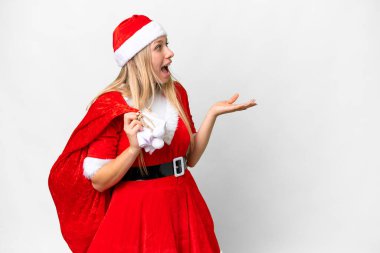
x=132 y=35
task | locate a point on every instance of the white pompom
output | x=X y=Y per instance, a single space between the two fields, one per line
x=159 y=130
x=157 y=143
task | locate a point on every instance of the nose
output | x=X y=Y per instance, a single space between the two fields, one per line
x=169 y=53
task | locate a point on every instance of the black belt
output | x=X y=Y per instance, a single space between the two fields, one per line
x=176 y=167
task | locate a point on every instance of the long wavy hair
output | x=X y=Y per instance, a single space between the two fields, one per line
x=138 y=81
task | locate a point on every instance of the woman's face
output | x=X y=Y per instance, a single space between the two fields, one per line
x=161 y=58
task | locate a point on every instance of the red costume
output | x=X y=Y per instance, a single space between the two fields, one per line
x=159 y=215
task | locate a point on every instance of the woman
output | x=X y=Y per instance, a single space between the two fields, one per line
x=122 y=183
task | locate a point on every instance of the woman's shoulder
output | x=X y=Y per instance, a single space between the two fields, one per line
x=109 y=97
x=106 y=102
x=181 y=89
x=178 y=86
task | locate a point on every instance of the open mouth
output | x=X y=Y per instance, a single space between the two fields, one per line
x=165 y=68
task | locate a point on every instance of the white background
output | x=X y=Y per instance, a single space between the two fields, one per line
x=297 y=173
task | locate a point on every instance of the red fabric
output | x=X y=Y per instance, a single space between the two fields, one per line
x=182 y=94
x=162 y=215
x=80 y=208
x=105 y=145
x=113 y=137
x=127 y=29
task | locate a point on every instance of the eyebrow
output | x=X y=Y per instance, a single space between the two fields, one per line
x=158 y=41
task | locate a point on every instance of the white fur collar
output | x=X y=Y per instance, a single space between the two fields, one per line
x=164 y=110
x=171 y=118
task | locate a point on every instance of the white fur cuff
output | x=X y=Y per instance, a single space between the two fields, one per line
x=91 y=165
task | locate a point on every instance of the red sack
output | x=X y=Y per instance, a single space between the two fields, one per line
x=79 y=206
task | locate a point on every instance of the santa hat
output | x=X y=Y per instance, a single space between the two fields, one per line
x=132 y=35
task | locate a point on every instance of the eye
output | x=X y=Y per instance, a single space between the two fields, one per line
x=158 y=46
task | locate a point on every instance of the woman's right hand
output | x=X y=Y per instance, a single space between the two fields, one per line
x=131 y=127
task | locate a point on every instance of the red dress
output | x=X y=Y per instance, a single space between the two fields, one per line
x=166 y=215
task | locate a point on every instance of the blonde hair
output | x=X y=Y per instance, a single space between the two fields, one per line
x=138 y=81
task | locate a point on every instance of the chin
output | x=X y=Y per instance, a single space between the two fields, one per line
x=164 y=80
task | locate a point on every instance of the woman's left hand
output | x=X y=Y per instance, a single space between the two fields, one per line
x=228 y=106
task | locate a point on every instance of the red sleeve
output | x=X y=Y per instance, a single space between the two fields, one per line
x=186 y=107
x=105 y=145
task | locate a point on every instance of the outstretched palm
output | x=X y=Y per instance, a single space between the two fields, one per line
x=228 y=106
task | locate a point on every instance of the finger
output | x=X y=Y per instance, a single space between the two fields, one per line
x=241 y=107
x=246 y=106
x=128 y=117
x=136 y=129
x=133 y=130
x=131 y=125
x=233 y=98
x=134 y=123
x=251 y=102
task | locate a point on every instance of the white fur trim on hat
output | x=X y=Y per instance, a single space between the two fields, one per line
x=138 y=41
